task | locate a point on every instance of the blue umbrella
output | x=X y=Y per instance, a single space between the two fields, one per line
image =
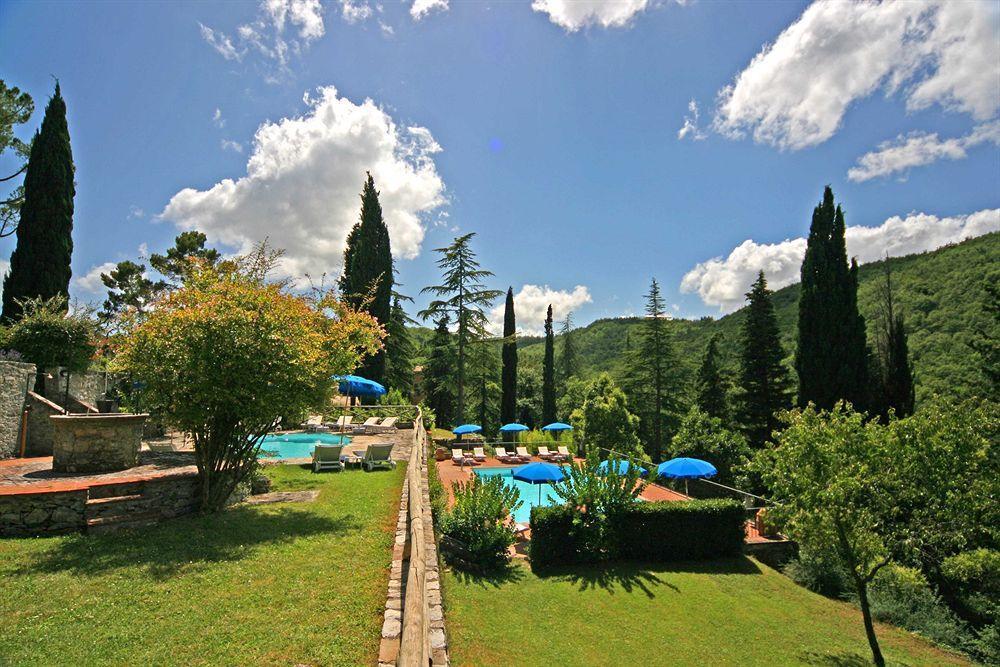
x=557 y=426
x=355 y=385
x=685 y=468
x=513 y=428
x=539 y=473
x=623 y=468
x=467 y=428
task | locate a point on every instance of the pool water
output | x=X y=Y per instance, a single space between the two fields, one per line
x=529 y=492
x=297 y=445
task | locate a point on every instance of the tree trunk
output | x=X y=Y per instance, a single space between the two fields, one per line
x=866 y=613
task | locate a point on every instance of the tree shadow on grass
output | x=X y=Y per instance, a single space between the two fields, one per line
x=492 y=578
x=167 y=548
x=835 y=660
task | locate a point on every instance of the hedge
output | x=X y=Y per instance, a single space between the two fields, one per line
x=648 y=532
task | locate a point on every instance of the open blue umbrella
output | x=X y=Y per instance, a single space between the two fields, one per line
x=355 y=385
x=557 y=426
x=467 y=428
x=623 y=467
x=513 y=428
x=685 y=468
x=539 y=473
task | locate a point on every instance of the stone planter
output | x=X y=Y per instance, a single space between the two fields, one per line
x=96 y=442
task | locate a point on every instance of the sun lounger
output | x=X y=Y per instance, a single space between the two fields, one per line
x=545 y=454
x=314 y=423
x=523 y=453
x=388 y=425
x=479 y=454
x=565 y=452
x=377 y=456
x=502 y=456
x=360 y=429
x=327 y=457
x=342 y=423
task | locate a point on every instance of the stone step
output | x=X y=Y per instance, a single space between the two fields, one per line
x=111 y=500
x=110 y=490
x=112 y=523
x=116 y=507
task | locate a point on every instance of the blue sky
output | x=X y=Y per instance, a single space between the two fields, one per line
x=551 y=130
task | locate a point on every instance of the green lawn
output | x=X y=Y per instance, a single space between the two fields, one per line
x=724 y=613
x=281 y=584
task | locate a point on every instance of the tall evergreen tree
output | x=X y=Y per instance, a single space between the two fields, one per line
x=549 y=372
x=367 y=280
x=399 y=354
x=987 y=339
x=569 y=362
x=763 y=379
x=484 y=370
x=508 y=382
x=465 y=298
x=832 y=357
x=654 y=379
x=895 y=381
x=40 y=264
x=711 y=398
x=439 y=374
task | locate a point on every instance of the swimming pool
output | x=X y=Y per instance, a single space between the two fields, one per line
x=529 y=492
x=297 y=445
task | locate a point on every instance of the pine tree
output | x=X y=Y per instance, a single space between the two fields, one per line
x=569 y=363
x=175 y=264
x=653 y=377
x=508 y=383
x=832 y=357
x=549 y=372
x=128 y=288
x=40 y=264
x=763 y=378
x=367 y=280
x=711 y=397
x=439 y=374
x=466 y=299
x=399 y=350
x=895 y=380
x=16 y=108
x=987 y=340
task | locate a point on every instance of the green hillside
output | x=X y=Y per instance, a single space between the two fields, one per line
x=940 y=293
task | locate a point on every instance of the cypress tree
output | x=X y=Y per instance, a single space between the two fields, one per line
x=367 y=280
x=763 y=378
x=569 y=364
x=40 y=264
x=438 y=374
x=399 y=354
x=894 y=384
x=508 y=381
x=832 y=357
x=711 y=397
x=549 y=372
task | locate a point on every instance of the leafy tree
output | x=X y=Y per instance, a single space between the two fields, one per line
x=439 y=374
x=277 y=352
x=478 y=520
x=549 y=372
x=703 y=436
x=894 y=385
x=399 y=350
x=508 y=382
x=604 y=421
x=177 y=262
x=573 y=396
x=484 y=369
x=711 y=398
x=987 y=341
x=529 y=397
x=763 y=378
x=15 y=109
x=569 y=362
x=368 y=271
x=831 y=358
x=40 y=264
x=653 y=377
x=128 y=288
x=464 y=299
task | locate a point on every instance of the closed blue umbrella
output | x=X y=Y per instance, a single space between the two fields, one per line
x=467 y=428
x=539 y=473
x=686 y=468
x=623 y=467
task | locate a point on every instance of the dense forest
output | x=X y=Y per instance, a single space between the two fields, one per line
x=940 y=292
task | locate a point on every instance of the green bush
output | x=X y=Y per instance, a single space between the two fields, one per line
x=438 y=495
x=820 y=572
x=48 y=336
x=553 y=537
x=673 y=531
x=477 y=525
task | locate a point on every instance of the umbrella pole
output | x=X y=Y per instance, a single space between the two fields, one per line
x=686 y=487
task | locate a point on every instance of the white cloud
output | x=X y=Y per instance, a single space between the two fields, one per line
x=573 y=15
x=230 y=145
x=266 y=34
x=691 y=127
x=353 y=12
x=532 y=302
x=304 y=175
x=217 y=118
x=387 y=30
x=724 y=281
x=795 y=92
x=421 y=8
x=920 y=148
x=134 y=212
x=90 y=282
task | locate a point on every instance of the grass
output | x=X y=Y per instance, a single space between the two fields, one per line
x=280 y=584
x=722 y=613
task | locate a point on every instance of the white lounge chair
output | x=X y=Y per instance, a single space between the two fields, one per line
x=314 y=423
x=479 y=454
x=327 y=457
x=388 y=425
x=565 y=452
x=378 y=456
x=360 y=429
x=502 y=456
x=343 y=422
x=545 y=454
x=523 y=453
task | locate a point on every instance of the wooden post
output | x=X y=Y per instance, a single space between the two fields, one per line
x=414 y=649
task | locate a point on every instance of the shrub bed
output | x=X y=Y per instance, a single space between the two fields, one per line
x=553 y=538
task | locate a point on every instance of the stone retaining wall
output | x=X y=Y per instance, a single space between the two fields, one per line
x=15 y=379
x=39 y=425
x=40 y=513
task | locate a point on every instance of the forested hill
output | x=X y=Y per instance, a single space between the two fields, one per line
x=940 y=293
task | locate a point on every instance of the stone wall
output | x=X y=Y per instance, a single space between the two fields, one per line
x=39 y=425
x=86 y=387
x=39 y=513
x=15 y=378
x=96 y=442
